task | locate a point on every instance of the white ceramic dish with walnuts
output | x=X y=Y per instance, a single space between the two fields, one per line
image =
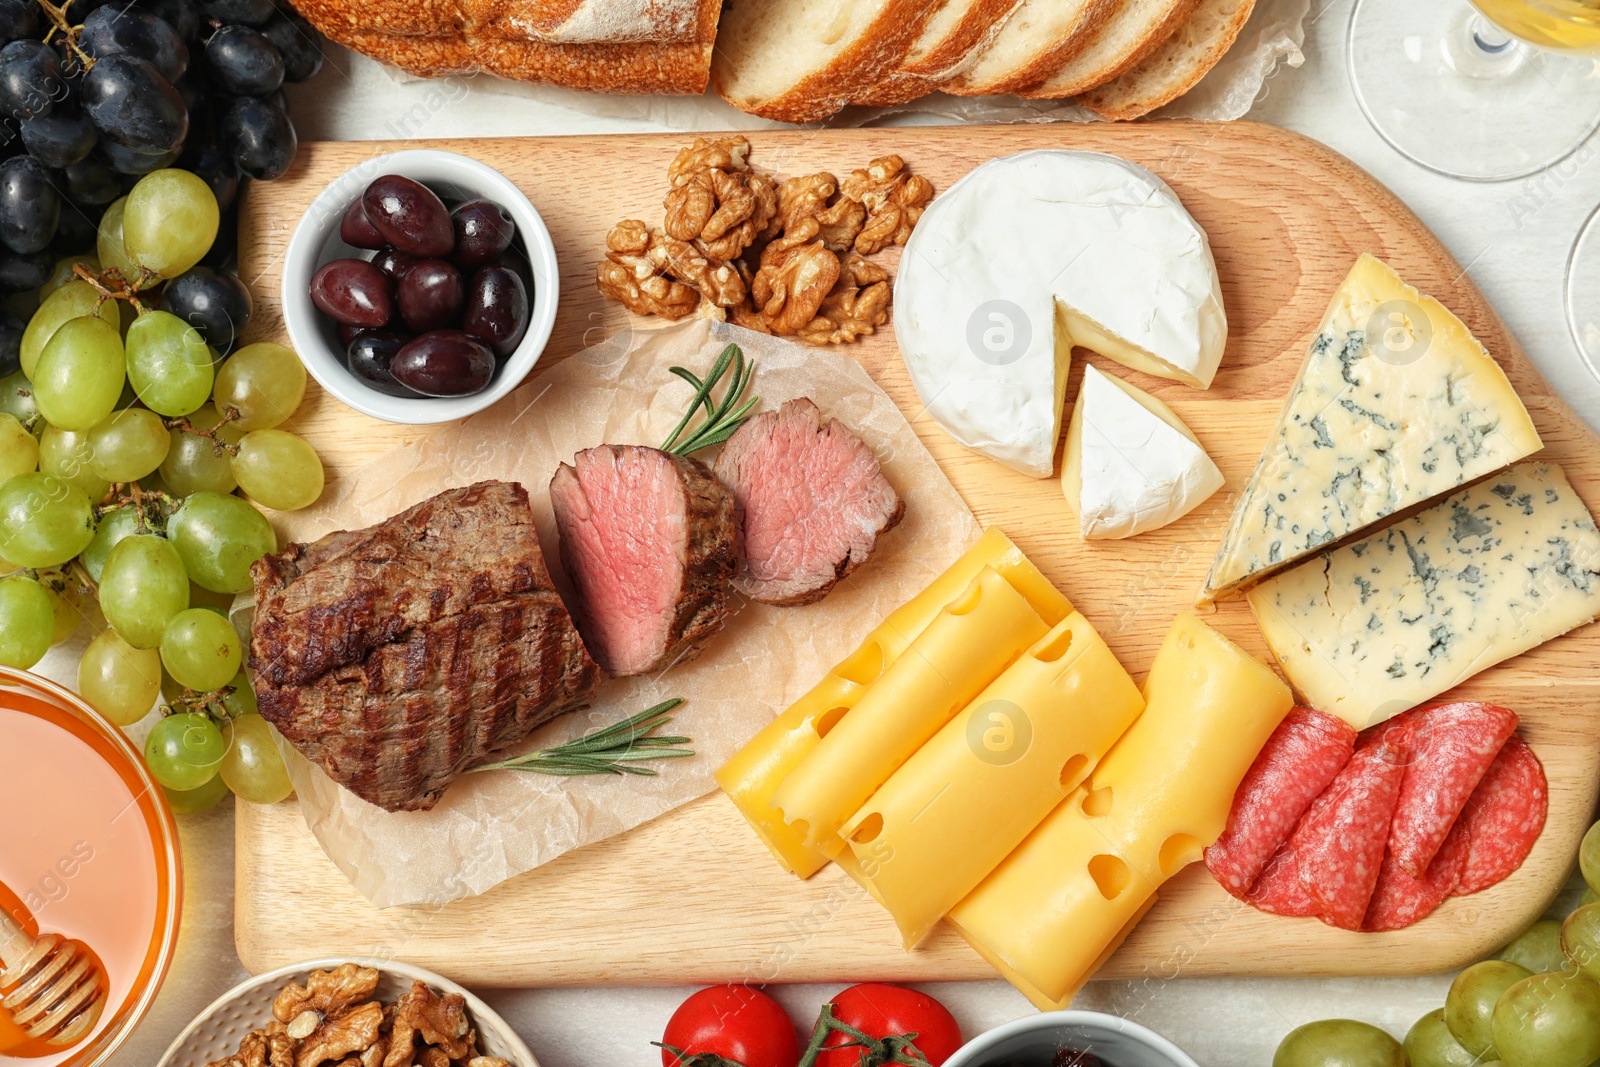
x=332 y=1022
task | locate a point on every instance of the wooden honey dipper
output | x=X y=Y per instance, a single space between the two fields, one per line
x=53 y=987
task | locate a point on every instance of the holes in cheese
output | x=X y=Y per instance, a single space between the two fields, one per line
x=1177 y=852
x=1073 y=772
x=864 y=665
x=1111 y=875
x=1056 y=644
x=1097 y=803
x=828 y=720
x=868 y=829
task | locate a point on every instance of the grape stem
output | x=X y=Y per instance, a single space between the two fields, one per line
x=143 y=501
x=219 y=447
x=111 y=285
x=60 y=23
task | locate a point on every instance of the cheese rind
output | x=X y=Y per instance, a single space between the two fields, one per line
x=1371 y=427
x=1382 y=625
x=1031 y=253
x=1132 y=465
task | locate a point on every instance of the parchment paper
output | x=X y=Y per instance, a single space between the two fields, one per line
x=489 y=827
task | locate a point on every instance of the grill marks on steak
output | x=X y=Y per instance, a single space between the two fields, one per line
x=650 y=542
x=399 y=656
x=811 y=500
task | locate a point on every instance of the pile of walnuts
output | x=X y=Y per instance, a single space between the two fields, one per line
x=333 y=1019
x=786 y=259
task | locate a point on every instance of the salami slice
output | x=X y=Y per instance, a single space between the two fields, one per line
x=1448 y=747
x=1504 y=817
x=1400 y=900
x=1340 y=842
x=1295 y=765
x=1278 y=889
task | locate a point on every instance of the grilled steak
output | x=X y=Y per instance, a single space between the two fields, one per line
x=811 y=501
x=398 y=656
x=650 y=543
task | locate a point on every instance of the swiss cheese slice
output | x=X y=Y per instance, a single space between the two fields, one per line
x=1030 y=254
x=1132 y=465
x=1382 y=625
x=1396 y=403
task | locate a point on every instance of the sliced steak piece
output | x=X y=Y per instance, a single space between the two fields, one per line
x=650 y=542
x=811 y=500
x=398 y=656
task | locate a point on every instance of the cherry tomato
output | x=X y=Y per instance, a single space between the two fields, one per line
x=882 y=1011
x=738 y=1023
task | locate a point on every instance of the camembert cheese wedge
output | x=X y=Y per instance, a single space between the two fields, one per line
x=1396 y=403
x=1132 y=465
x=1030 y=254
x=1372 y=629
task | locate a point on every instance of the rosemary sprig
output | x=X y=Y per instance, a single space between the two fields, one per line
x=722 y=418
x=612 y=750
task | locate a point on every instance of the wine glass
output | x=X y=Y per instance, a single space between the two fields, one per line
x=1583 y=292
x=1491 y=91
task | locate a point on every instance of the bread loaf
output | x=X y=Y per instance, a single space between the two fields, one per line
x=956 y=35
x=1174 y=68
x=1040 y=37
x=1139 y=28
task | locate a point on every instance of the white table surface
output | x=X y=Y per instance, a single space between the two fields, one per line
x=1513 y=238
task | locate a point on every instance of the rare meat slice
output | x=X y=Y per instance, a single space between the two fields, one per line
x=650 y=542
x=811 y=501
x=399 y=656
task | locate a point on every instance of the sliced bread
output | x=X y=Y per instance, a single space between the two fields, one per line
x=1174 y=68
x=1037 y=39
x=957 y=33
x=612 y=21
x=1139 y=28
x=802 y=60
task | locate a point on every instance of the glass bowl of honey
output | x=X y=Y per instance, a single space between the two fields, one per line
x=90 y=880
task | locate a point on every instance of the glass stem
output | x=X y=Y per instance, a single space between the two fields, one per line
x=1480 y=49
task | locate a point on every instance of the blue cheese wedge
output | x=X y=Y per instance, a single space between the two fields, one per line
x=1368 y=630
x=1396 y=403
x=1132 y=465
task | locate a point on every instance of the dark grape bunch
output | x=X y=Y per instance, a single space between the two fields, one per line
x=94 y=95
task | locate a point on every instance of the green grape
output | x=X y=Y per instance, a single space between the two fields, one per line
x=19 y=451
x=264 y=382
x=80 y=374
x=241 y=697
x=119 y=681
x=184 y=751
x=26 y=622
x=201 y=597
x=44 y=521
x=278 y=469
x=1430 y=1044
x=195 y=801
x=1589 y=897
x=219 y=537
x=169 y=221
x=1548 y=1020
x=1580 y=939
x=1469 y=1006
x=201 y=650
x=1589 y=857
x=169 y=364
x=1538 y=948
x=64 y=273
x=171 y=691
x=142 y=587
x=253 y=767
x=72 y=301
x=114 y=526
x=1338 y=1043
x=110 y=246
x=65 y=604
x=197 y=463
x=66 y=454
x=129 y=445
x=16 y=400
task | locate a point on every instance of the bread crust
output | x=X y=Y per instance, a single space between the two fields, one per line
x=1155 y=81
x=1093 y=16
x=1069 y=81
x=920 y=75
x=601 y=21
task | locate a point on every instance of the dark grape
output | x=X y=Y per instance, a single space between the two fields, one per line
x=356 y=231
x=18 y=19
x=354 y=292
x=92 y=181
x=182 y=15
x=211 y=163
x=241 y=12
x=347 y=334
x=19 y=273
x=29 y=205
x=395 y=264
x=31 y=81
x=443 y=363
x=117 y=29
x=214 y=302
x=497 y=310
x=300 y=44
x=410 y=216
x=131 y=163
x=132 y=105
x=61 y=138
x=484 y=231
x=11 y=329
x=259 y=137
x=192 y=88
x=243 y=62
x=75 y=233
x=370 y=355
x=430 y=295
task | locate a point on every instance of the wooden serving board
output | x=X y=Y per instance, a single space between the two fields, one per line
x=693 y=897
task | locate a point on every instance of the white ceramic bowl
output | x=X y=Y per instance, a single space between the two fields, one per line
x=216 y=1032
x=1033 y=1041
x=316 y=241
